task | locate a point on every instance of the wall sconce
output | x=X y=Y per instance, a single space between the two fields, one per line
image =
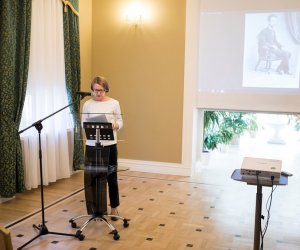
x=135 y=13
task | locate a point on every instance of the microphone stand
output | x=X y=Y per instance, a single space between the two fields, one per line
x=43 y=230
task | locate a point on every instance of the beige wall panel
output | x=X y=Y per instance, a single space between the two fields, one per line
x=85 y=31
x=145 y=67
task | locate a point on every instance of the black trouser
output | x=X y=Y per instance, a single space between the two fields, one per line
x=112 y=179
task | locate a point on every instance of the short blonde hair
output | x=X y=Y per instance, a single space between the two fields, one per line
x=101 y=81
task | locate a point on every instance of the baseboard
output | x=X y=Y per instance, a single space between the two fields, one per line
x=2 y=199
x=155 y=167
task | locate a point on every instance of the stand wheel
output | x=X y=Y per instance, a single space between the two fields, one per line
x=79 y=235
x=116 y=236
x=73 y=224
x=125 y=223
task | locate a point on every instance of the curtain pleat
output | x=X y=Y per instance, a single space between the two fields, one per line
x=72 y=69
x=46 y=94
x=15 y=20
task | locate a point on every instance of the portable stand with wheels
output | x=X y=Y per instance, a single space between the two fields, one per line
x=236 y=175
x=96 y=170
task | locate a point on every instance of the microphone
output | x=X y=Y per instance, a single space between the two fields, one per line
x=83 y=94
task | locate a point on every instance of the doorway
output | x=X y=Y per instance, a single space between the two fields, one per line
x=277 y=137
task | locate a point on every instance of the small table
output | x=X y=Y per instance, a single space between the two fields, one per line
x=283 y=180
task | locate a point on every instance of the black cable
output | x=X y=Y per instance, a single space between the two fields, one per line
x=268 y=208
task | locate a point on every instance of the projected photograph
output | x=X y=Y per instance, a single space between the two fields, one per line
x=271 y=50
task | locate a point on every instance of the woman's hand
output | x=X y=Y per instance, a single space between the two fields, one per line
x=115 y=126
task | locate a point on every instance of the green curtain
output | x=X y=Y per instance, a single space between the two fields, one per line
x=15 y=23
x=72 y=70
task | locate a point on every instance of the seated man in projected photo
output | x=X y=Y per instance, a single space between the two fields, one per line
x=270 y=49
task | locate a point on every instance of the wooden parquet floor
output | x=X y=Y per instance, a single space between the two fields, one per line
x=165 y=212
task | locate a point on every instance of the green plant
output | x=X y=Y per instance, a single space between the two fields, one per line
x=214 y=133
x=297 y=122
x=252 y=126
x=211 y=123
x=211 y=141
x=220 y=127
x=235 y=123
x=212 y=118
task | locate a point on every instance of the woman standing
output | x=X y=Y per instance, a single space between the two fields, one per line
x=103 y=105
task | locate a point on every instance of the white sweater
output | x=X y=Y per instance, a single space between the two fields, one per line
x=111 y=109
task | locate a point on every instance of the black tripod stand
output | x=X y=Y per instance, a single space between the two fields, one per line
x=43 y=230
